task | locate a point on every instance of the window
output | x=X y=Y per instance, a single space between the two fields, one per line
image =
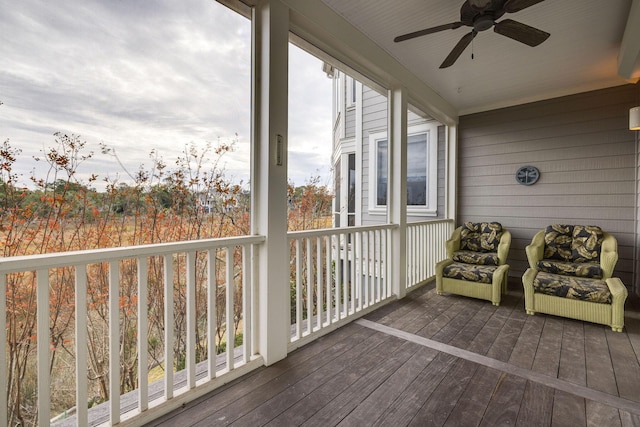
x=381 y=172
x=417 y=160
x=336 y=190
x=351 y=198
x=351 y=91
x=421 y=170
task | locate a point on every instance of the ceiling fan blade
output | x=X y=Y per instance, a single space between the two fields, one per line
x=458 y=49
x=513 y=6
x=451 y=26
x=520 y=32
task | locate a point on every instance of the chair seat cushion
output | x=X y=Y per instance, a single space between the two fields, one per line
x=477 y=258
x=578 y=288
x=470 y=272
x=590 y=270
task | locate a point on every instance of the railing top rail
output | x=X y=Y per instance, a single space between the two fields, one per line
x=341 y=230
x=90 y=256
x=429 y=221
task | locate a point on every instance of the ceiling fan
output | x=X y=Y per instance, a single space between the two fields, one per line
x=481 y=15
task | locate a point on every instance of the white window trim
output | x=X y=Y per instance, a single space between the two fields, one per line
x=431 y=130
x=346 y=147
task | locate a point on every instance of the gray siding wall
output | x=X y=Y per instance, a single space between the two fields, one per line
x=350 y=123
x=374 y=113
x=374 y=119
x=585 y=153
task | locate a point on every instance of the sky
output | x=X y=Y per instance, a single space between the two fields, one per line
x=146 y=75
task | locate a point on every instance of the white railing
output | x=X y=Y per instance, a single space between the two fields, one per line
x=196 y=288
x=207 y=285
x=425 y=247
x=336 y=275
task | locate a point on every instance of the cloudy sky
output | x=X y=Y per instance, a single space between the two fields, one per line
x=145 y=75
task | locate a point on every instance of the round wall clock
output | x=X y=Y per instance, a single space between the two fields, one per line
x=527 y=175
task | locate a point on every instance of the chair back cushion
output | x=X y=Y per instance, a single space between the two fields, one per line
x=557 y=242
x=587 y=243
x=480 y=236
x=573 y=243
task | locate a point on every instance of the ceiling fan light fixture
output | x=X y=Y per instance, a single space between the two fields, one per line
x=483 y=23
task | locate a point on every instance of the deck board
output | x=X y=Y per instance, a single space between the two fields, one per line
x=599 y=414
x=361 y=375
x=505 y=402
x=625 y=365
x=405 y=406
x=379 y=370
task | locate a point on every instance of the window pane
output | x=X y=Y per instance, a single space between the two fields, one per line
x=149 y=96
x=381 y=162
x=309 y=144
x=351 y=207
x=336 y=190
x=417 y=170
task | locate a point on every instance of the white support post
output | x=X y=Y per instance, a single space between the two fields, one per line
x=269 y=175
x=397 y=199
x=451 y=173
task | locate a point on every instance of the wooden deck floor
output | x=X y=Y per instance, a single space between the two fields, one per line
x=431 y=360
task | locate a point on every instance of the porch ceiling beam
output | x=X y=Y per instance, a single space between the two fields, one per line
x=629 y=55
x=319 y=25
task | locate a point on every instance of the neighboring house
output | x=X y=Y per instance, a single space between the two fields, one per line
x=360 y=156
x=211 y=201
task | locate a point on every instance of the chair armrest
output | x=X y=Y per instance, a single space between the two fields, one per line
x=608 y=255
x=535 y=250
x=503 y=247
x=453 y=244
x=618 y=291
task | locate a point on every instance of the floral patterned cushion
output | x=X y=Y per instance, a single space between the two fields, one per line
x=578 y=288
x=480 y=236
x=557 y=242
x=578 y=269
x=470 y=272
x=478 y=258
x=587 y=242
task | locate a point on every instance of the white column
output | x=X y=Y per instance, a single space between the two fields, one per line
x=269 y=176
x=451 y=172
x=397 y=196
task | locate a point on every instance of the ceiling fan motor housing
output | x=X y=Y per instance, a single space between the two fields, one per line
x=483 y=22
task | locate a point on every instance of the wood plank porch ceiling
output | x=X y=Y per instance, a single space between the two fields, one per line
x=442 y=360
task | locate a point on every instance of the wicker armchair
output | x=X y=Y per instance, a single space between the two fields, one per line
x=476 y=262
x=570 y=275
